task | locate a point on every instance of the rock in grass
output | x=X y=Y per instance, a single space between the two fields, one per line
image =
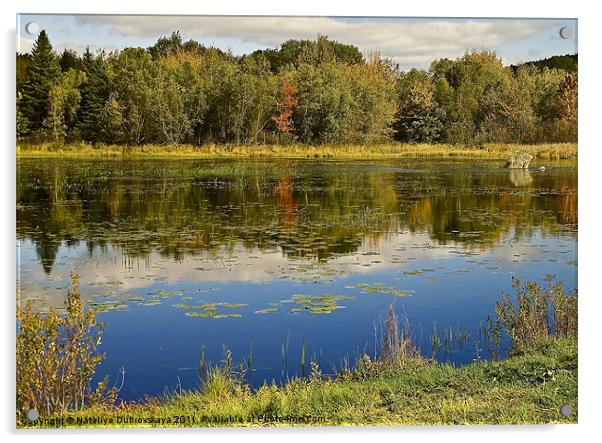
x=519 y=160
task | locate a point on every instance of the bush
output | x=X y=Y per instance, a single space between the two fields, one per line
x=57 y=357
x=540 y=313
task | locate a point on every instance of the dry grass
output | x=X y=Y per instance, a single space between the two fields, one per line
x=560 y=151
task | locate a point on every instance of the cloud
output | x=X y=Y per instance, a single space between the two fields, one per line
x=24 y=45
x=409 y=42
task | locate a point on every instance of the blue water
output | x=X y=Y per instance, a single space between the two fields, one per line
x=456 y=284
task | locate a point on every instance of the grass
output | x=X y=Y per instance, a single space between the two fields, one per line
x=560 y=151
x=399 y=387
x=527 y=388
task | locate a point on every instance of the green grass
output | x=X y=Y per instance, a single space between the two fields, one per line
x=391 y=150
x=527 y=388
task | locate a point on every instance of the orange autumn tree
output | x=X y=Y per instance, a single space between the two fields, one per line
x=286 y=104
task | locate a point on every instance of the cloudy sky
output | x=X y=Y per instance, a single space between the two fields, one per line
x=411 y=42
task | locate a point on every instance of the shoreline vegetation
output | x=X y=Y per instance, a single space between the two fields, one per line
x=550 y=151
x=313 y=92
x=398 y=387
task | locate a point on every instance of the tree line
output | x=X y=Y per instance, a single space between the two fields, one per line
x=307 y=91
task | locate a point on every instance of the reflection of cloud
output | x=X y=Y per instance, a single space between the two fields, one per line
x=108 y=271
x=410 y=42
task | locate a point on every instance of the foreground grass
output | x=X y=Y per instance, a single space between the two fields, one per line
x=495 y=151
x=528 y=388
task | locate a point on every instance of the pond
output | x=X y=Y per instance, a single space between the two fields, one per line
x=273 y=259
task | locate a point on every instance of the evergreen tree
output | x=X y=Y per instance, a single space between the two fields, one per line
x=69 y=60
x=94 y=94
x=43 y=73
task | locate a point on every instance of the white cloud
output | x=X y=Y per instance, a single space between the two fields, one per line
x=24 y=45
x=411 y=43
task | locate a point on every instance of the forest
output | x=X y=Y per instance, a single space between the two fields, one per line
x=307 y=91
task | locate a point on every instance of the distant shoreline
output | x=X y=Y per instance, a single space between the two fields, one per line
x=559 y=151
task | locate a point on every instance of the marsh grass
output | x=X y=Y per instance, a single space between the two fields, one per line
x=557 y=151
x=57 y=355
x=538 y=314
x=398 y=348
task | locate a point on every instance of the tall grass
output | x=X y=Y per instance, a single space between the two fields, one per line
x=538 y=314
x=398 y=348
x=57 y=357
x=551 y=151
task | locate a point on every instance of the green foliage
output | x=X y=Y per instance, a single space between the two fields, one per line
x=94 y=92
x=132 y=73
x=64 y=99
x=57 y=357
x=43 y=71
x=69 y=60
x=568 y=62
x=540 y=313
x=293 y=53
x=311 y=91
x=417 y=118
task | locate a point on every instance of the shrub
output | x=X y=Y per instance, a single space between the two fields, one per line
x=57 y=357
x=539 y=314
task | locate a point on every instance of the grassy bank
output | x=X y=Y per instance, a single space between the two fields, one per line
x=57 y=356
x=494 y=151
x=527 y=388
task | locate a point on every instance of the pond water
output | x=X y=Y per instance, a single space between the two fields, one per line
x=269 y=257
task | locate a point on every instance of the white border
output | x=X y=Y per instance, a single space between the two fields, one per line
x=590 y=151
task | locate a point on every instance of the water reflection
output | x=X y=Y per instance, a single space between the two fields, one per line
x=520 y=177
x=254 y=241
x=304 y=209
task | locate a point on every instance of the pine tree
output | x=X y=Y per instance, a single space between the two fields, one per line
x=43 y=72
x=94 y=94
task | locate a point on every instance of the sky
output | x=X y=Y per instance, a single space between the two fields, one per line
x=410 y=42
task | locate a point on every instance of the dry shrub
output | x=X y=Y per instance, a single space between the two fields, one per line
x=57 y=357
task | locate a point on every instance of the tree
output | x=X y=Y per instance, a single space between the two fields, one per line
x=94 y=92
x=286 y=103
x=373 y=95
x=69 y=60
x=168 y=104
x=133 y=74
x=110 y=121
x=324 y=113
x=64 y=100
x=43 y=73
x=469 y=91
x=417 y=113
x=295 y=52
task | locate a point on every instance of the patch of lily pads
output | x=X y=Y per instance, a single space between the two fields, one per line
x=107 y=306
x=380 y=288
x=316 y=304
x=210 y=310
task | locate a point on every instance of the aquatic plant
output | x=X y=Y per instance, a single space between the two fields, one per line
x=398 y=348
x=380 y=288
x=222 y=381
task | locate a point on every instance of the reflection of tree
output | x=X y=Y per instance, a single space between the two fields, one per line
x=303 y=209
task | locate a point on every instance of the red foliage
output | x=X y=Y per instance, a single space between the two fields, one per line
x=286 y=105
